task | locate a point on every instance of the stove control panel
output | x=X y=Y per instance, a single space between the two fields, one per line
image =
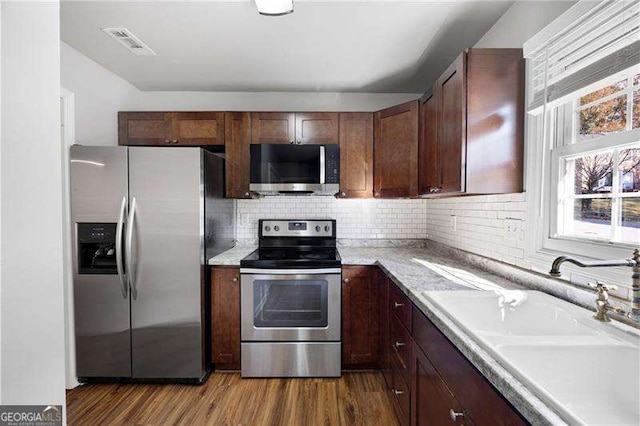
x=297 y=228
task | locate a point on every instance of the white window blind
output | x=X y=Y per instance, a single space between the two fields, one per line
x=602 y=41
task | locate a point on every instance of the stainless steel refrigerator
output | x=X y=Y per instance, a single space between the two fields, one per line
x=144 y=222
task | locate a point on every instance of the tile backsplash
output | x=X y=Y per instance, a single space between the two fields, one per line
x=356 y=219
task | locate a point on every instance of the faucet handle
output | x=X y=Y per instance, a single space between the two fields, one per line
x=602 y=287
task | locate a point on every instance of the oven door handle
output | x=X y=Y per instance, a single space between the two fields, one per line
x=310 y=271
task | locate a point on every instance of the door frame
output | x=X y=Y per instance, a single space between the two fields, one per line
x=68 y=138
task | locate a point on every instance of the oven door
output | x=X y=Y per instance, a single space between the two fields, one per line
x=290 y=305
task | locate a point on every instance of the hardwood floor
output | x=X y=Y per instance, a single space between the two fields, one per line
x=226 y=399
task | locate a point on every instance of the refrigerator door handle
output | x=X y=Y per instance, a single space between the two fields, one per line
x=129 y=250
x=119 y=246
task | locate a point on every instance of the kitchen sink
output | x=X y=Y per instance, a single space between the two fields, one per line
x=587 y=371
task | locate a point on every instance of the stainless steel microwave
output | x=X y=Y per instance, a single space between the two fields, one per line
x=295 y=169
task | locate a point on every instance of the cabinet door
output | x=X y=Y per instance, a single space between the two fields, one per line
x=428 y=168
x=356 y=155
x=225 y=318
x=144 y=128
x=431 y=400
x=317 y=128
x=237 y=128
x=197 y=128
x=452 y=124
x=396 y=151
x=360 y=317
x=272 y=127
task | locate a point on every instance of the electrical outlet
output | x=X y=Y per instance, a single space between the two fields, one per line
x=512 y=228
x=454 y=222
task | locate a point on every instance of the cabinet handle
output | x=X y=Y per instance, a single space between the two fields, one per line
x=376 y=194
x=167 y=141
x=292 y=142
x=454 y=415
x=398 y=305
x=397 y=392
x=235 y=279
x=399 y=344
x=437 y=190
x=175 y=141
x=246 y=194
x=342 y=194
x=346 y=280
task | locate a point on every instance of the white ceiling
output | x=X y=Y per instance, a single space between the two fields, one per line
x=331 y=46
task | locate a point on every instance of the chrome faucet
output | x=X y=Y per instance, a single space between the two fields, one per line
x=602 y=303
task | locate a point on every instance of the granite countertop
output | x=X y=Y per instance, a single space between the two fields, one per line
x=417 y=269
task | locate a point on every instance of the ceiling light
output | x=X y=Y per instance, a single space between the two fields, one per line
x=274 y=7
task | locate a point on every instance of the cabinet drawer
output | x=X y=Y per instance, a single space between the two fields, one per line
x=400 y=305
x=478 y=397
x=401 y=347
x=401 y=394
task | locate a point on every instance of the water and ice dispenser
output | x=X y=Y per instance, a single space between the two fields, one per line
x=96 y=248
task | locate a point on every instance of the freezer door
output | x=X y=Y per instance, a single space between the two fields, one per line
x=101 y=302
x=166 y=246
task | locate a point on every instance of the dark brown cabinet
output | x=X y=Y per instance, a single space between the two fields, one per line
x=472 y=126
x=144 y=128
x=397 y=348
x=273 y=127
x=225 y=318
x=317 y=128
x=432 y=402
x=171 y=128
x=395 y=171
x=474 y=398
x=237 y=141
x=360 y=317
x=452 y=125
x=356 y=155
x=428 y=169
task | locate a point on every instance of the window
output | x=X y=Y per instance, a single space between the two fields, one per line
x=596 y=156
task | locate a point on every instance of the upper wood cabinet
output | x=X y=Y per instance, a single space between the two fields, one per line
x=225 y=318
x=237 y=141
x=273 y=127
x=144 y=128
x=302 y=128
x=452 y=122
x=477 y=147
x=428 y=167
x=360 y=317
x=171 y=128
x=317 y=128
x=395 y=171
x=356 y=155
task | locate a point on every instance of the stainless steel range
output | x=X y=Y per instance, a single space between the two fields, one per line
x=290 y=301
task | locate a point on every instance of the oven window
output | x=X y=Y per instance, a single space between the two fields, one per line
x=290 y=303
x=285 y=163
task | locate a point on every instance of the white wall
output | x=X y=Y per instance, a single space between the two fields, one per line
x=99 y=94
x=31 y=240
x=356 y=219
x=483 y=220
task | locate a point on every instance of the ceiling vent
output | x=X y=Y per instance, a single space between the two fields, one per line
x=128 y=40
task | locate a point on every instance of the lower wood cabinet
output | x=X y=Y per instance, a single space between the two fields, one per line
x=472 y=398
x=360 y=317
x=225 y=318
x=430 y=382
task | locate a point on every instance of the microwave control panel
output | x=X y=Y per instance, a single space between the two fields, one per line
x=332 y=164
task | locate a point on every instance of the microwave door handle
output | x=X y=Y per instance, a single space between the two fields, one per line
x=322 y=165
